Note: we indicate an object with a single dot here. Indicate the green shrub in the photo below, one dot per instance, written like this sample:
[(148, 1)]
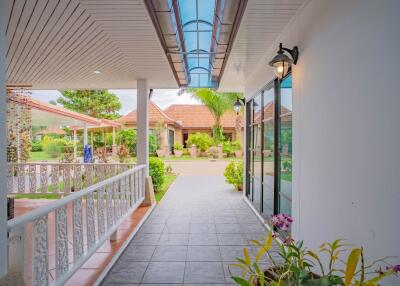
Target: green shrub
[(62, 143), (234, 174), (156, 170), (46, 140), (36, 147), (178, 146), (227, 148), (128, 138), (203, 141), (236, 145), (153, 144), (53, 149)]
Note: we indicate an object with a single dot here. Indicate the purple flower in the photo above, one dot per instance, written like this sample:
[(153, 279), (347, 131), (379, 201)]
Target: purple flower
[(288, 240), (395, 268), (281, 221)]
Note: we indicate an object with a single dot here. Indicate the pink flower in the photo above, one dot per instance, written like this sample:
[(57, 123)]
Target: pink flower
[(281, 221), (288, 240)]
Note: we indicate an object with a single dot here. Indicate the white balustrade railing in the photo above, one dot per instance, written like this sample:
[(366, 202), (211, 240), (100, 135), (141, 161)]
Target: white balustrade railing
[(49, 244), (58, 178)]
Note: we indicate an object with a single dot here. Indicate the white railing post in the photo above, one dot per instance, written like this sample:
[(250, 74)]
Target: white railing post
[(16, 251), (142, 145), (3, 144)]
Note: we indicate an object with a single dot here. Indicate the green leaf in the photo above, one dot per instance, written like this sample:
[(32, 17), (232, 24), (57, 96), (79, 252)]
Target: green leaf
[(241, 281), (247, 256), (351, 267)]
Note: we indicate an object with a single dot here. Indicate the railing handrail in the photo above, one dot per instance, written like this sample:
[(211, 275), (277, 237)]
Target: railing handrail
[(32, 215), (61, 163)]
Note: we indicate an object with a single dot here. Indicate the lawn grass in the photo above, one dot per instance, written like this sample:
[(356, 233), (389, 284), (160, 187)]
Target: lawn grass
[(169, 179), (42, 156)]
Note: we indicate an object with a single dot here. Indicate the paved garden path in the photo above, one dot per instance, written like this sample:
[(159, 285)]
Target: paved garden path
[(197, 230)]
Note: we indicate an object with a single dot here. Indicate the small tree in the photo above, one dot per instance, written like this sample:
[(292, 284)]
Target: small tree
[(96, 103), (203, 141), (234, 174)]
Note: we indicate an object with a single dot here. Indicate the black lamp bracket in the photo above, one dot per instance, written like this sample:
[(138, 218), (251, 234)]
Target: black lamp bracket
[(242, 100), (293, 52)]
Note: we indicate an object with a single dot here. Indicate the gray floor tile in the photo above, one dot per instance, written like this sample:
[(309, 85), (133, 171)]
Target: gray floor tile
[(253, 228), (200, 272), (174, 239), (146, 239), (176, 228), (131, 272), (164, 272), (230, 253), (226, 219), (136, 252), (152, 228), (232, 239), (228, 228), (203, 253), (202, 219), (203, 239), (202, 228), (230, 271), (169, 253), (179, 219)]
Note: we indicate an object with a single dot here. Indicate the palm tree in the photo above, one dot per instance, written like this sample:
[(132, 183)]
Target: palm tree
[(217, 103)]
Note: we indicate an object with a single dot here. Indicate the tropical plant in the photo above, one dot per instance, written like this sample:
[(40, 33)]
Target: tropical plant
[(178, 146), (203, 141), (102, 154), (153, 143), (291, 263), (156, 171), (122, 153), (234, 174), (68, 155), (96, 103), (217, 103)]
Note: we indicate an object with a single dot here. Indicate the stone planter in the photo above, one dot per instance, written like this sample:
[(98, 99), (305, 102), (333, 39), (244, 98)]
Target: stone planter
[(238, 153), (160, 153), (193, 151), (178, 153)]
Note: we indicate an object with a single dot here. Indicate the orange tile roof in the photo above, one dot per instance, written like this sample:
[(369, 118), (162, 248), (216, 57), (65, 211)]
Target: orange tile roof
[(198, 116), (156, 115)]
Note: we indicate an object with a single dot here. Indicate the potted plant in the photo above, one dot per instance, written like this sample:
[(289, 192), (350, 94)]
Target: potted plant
[(234, 174), (213, 152), (203, 141), (237, 148), (122, 153), (291, 263), (178, 150)]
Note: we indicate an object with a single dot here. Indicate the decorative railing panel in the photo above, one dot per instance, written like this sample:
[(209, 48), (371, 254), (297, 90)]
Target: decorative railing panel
[(59, 178), (39, 244)]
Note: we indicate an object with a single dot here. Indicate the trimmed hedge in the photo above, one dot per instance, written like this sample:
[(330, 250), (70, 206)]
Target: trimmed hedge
[(156, 170)]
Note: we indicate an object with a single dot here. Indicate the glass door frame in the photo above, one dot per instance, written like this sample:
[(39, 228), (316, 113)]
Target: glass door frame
[(275, 84)]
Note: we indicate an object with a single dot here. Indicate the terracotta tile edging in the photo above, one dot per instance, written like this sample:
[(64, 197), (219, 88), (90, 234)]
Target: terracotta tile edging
[(121, 249)]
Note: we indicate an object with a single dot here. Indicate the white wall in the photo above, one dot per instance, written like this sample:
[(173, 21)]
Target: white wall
[(346, 114)]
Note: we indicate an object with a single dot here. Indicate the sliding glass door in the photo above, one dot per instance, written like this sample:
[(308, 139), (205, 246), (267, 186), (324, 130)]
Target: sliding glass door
[(269, 152)]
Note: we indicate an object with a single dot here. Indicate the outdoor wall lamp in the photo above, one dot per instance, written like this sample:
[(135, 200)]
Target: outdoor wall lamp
[(238, 105), (281, 62)]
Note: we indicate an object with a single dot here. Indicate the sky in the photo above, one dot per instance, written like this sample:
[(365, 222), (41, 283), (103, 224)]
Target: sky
[(162, 97)]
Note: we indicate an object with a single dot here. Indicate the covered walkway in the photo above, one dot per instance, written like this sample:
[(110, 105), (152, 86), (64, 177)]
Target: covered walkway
[(199, 228)]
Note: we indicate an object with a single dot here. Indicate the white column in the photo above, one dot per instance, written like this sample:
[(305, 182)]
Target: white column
[(114, 147), (85, 135), (3, 144), (142, 146), (75, 145)]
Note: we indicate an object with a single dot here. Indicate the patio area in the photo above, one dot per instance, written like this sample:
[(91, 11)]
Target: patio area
[(198, 229)]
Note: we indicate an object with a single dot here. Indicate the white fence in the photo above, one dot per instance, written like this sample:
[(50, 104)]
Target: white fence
[(58, 178), (48, 245)]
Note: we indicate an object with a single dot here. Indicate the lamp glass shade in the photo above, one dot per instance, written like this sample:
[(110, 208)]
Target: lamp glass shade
[(237, 106), (281, 68)]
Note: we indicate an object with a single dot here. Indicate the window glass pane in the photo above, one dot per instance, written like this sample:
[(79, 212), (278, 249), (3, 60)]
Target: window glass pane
[(257, 151), (268, 152), (285, 147)]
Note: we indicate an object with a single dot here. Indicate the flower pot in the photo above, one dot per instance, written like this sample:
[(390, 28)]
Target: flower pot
[(238, 153), (239, 189), (178, 153), (270, 274)]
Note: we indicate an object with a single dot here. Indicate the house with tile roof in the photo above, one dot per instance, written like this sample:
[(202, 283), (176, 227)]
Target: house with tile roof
[(179, 120)]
